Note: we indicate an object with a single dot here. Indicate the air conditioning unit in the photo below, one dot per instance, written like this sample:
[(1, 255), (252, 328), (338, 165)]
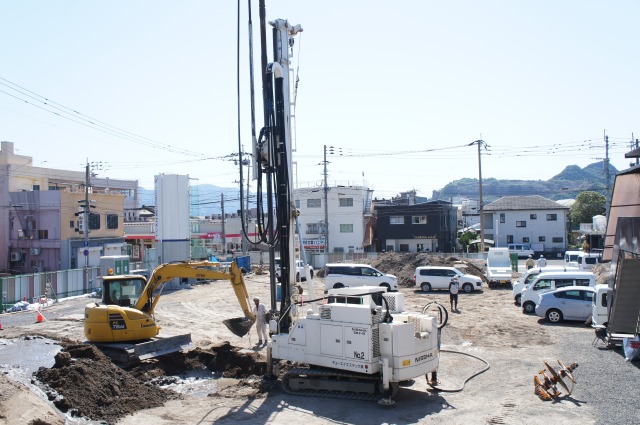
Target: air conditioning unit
[(16, 256), (35, 251)]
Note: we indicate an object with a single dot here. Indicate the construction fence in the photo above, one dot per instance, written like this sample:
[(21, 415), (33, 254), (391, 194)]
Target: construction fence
[(50, 285)]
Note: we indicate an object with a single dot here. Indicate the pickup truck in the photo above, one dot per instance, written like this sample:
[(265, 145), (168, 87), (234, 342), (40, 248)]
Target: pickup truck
[(300, 275)]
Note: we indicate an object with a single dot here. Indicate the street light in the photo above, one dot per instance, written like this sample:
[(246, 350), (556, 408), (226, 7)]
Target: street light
[(480, 143)]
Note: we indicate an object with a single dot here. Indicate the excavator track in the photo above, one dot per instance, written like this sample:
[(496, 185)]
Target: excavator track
[(323, 382)]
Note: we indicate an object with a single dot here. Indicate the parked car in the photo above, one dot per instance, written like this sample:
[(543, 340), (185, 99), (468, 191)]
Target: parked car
[(550, 281), (586, 260), (530, 275), (568, 303), (433, 277), (300, 274), (523, 250), (341, 275), (571, 258)]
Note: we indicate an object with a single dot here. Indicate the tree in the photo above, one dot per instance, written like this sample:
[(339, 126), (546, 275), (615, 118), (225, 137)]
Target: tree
[(466, 238), (587, 205)]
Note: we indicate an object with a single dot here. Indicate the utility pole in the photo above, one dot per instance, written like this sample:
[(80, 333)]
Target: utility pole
[(224, 238), (480, 143), (326, 205), (607, 174), (86, 213)]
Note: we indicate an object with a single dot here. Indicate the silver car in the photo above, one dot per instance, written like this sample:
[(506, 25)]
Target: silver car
[(566, 303)]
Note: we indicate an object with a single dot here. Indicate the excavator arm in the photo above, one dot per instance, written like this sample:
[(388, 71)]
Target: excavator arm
[(196, 270)]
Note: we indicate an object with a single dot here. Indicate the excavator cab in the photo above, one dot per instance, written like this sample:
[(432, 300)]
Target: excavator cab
[(123, 291)]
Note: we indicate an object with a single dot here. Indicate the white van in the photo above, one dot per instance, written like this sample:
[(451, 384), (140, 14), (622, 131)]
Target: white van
[(341, 275), (523, 250), (551, 281), (571, 258), (532, 274), (586, 260), (435, 277)]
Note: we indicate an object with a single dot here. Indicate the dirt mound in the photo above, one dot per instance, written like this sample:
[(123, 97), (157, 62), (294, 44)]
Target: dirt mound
[(602, 272), (85, 383), (403, 265)]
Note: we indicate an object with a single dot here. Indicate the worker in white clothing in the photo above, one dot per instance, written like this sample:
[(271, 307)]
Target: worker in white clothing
[(260, 312), (542, 262)]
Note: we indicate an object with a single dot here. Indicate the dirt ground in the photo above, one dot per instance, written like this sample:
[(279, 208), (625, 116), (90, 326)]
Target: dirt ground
[(177, 389)]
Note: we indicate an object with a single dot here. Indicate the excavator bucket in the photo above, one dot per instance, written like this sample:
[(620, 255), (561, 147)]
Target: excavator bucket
[(239, 326)]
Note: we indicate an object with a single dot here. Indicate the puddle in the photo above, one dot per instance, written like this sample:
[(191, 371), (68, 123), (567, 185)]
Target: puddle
[(21, 357)]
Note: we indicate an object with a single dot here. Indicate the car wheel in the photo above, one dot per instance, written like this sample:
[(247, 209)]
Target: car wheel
[(468, 288), (518, 299), (338, 286), (386, 285), (554, 315), (426, 287), (529, 307)]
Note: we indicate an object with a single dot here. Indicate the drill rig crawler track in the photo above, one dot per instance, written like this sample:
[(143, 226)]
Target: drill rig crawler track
[(333, 383)]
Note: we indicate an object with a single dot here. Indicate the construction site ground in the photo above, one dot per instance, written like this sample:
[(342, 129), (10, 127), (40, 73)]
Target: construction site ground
[(220, 379)]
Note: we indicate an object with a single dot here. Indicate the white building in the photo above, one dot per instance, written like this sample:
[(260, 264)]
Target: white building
[(334, 220), (533, 220)]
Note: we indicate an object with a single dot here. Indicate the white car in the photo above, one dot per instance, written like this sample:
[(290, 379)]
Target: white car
[(434, 277), (300, 274), (568, 303), (341, 275), (530, 275), (550, 281)]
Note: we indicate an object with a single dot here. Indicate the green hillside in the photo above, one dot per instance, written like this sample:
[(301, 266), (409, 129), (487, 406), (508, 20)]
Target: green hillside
[(567, 184)]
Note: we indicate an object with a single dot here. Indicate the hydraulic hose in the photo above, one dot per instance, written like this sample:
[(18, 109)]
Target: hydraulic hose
[(455, 390)]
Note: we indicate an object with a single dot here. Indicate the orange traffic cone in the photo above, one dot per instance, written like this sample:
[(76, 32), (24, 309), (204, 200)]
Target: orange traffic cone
[(40, 317)]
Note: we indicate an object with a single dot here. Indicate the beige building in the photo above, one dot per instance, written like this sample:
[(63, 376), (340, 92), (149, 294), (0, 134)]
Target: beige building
[(41, 220)]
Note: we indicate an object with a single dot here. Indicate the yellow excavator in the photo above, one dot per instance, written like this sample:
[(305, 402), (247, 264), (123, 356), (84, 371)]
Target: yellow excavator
[(123, 326)]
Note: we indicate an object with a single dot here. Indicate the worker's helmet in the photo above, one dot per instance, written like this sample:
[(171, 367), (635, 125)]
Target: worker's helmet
[(541, 256), (256, 299), (531, 256), (110, 272)]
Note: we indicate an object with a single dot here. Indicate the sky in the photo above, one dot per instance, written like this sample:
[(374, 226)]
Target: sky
[(399, 89)]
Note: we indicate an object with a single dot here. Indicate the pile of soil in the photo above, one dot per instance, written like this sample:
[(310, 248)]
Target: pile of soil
[(85, 383), (403, 265)]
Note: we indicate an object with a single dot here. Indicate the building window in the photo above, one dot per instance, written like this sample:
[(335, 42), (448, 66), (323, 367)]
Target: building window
[(314, 203), (346, 228), (404, 247), (43, 234), (36, 187), (541, 238), (521, 224), (419, 219), (525, 240), (314, 228), (94, 221), (112, 221), (338, 249), (346, 202), (396, 219), (533, 216), (552, 217), (509, 238), (557, 239), (502, 218), (72, 224)]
